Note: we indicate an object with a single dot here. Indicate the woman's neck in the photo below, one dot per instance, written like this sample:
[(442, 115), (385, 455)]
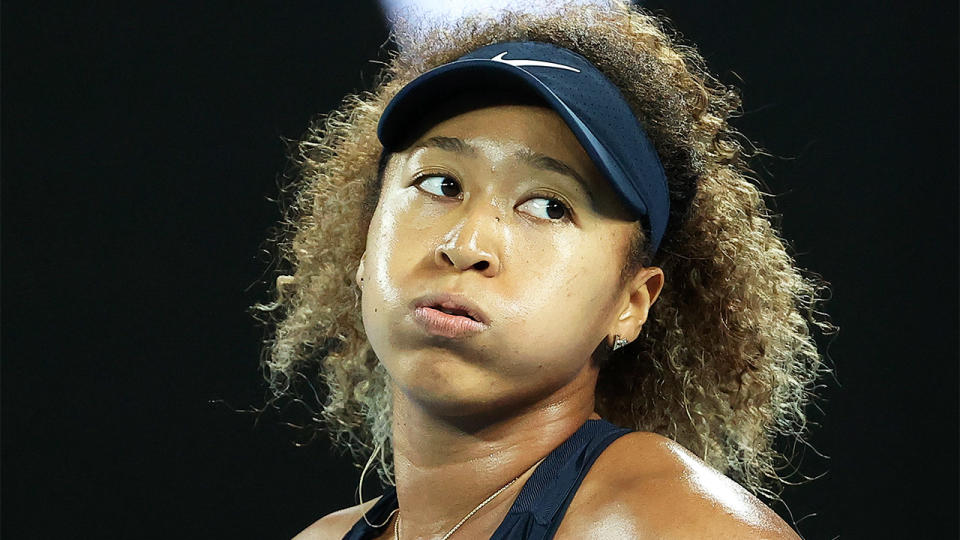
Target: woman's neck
[(446, 467)]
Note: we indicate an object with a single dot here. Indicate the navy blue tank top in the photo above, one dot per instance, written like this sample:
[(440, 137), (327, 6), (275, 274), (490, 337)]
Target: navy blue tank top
[(538, 509)]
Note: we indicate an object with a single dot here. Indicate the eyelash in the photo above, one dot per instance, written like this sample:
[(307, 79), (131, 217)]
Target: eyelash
[(567, 210)]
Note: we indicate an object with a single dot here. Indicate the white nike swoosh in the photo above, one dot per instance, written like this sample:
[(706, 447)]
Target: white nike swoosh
[(537, 63)]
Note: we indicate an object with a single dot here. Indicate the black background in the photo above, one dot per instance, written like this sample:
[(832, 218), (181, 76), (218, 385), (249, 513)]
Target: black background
[(141, 142)]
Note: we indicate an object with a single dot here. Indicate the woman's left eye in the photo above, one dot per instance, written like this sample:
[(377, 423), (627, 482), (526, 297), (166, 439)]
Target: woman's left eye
[(547, 208), (440, 185)]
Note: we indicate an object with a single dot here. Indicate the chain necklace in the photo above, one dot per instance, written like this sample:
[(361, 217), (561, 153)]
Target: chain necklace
[(396, 524)]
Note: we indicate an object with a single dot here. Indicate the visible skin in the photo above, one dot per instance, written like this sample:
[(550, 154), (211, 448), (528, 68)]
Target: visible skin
[(473, 413)]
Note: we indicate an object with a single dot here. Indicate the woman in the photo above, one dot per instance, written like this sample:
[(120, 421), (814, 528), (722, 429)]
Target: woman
[(541, 293)]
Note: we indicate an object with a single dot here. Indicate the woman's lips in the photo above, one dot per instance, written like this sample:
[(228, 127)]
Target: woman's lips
[(443, 324)]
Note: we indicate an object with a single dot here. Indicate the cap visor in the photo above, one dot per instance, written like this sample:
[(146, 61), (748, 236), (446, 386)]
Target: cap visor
[(409, 107)]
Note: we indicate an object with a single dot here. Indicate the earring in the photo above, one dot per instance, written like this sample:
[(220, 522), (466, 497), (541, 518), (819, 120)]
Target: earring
[(619, 342)]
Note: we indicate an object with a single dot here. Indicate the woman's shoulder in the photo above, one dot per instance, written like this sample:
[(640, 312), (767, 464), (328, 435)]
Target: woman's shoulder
[(645, 484), (335, 524)]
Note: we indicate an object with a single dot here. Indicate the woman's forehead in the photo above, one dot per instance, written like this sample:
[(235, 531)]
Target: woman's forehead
[(464, 102), (529, 135), (532, 127), (524, 133)]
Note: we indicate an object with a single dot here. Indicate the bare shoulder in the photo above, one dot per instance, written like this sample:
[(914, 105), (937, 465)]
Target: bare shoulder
[(645, 485), (335, 525)]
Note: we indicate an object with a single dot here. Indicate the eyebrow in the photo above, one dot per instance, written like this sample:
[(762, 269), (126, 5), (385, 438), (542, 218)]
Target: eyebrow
[(533, 159), (547, 163), (451, 144)]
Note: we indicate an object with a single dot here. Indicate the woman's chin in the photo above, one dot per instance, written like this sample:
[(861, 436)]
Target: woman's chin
[(450, 398), (446, 384), (470, 403)]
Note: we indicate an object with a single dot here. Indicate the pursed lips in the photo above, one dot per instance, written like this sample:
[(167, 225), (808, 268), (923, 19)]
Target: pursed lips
[(453, 304)]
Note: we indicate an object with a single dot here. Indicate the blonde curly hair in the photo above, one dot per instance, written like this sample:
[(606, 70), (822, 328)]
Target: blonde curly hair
[(726, 361)]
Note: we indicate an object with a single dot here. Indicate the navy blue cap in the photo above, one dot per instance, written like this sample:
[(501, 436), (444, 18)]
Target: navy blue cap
[(588, 102)]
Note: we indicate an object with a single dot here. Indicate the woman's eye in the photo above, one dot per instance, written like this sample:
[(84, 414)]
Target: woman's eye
[(547, 208), (439, 185)]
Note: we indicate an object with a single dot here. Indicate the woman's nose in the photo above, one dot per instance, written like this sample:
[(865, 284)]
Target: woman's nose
[(473, 244)]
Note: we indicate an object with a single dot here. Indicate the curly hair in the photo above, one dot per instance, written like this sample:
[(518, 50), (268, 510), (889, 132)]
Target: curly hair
[(726, 362)]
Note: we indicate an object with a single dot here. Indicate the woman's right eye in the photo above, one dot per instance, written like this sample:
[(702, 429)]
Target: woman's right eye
[(439, 185)]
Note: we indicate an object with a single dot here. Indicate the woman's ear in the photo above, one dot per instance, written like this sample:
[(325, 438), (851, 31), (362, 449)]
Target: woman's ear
[(359, 277), (639, 294)]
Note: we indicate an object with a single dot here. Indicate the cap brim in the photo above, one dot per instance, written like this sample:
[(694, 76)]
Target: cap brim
[(406, 111)]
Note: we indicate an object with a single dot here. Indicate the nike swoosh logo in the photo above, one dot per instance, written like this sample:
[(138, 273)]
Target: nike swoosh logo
[(537, 63)]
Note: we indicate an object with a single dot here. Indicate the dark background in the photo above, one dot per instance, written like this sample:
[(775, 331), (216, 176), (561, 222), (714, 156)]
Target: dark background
[(141, 142)]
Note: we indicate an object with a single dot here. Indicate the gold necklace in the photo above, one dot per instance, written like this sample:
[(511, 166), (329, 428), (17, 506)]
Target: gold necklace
[(396, 524)]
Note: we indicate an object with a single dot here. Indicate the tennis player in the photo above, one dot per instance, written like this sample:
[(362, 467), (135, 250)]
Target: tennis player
[(540, 293)]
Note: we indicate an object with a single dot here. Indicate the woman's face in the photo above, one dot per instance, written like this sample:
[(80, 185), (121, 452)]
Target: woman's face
[(501, 208)]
